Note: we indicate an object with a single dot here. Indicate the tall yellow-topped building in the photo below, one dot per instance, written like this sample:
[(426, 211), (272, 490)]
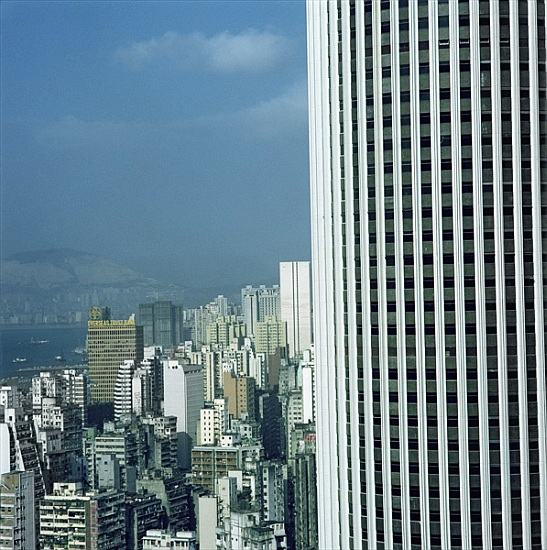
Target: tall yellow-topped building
[(109, 343)]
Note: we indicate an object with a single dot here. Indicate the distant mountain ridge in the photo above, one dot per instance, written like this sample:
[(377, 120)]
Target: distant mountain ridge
[(58, 286), (53, 268)]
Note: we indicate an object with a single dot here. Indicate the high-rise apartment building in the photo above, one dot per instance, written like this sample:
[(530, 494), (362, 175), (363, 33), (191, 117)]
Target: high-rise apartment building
[(271, 336), (240, 394), (224, 329), (428, 148), (259, 303), (70, 518), (17, 511), (109, 344), (295, 305), (162, 323), (183, 398)]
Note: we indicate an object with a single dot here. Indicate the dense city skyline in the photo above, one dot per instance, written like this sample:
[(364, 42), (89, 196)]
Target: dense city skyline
[(195, 377)]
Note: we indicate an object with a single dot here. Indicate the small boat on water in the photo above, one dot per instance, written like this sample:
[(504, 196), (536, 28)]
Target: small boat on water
[(79, 351), (19, 360), (38, 342), (60, 358)]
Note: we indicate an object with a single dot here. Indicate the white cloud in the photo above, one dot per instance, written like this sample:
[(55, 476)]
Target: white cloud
[(247, 51), (283, 114)]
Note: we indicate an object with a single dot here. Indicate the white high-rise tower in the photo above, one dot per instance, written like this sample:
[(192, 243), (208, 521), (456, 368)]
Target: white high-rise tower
[(428, 155), (295, 298)]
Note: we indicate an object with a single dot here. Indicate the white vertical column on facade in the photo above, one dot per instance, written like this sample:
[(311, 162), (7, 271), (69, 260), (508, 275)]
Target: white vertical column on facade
[(537, 251), (399, 275), (418, 272), (365, 276), (520, 305), (480, 297), (355, 469), (499, 259), (459, 286), (320, 176), (381, 270), (438, 274), (338, 275)]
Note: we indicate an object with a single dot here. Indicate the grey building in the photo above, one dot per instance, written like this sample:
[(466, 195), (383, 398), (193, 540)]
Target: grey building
[(162, 324), (17, 511), (428, 148)]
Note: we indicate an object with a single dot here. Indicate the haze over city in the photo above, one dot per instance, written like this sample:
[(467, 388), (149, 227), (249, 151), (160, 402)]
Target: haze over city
[(170, 137)]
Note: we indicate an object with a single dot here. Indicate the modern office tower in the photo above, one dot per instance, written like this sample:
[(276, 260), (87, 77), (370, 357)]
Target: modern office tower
[(240, 394), (295, 305), (271, 336), (428, 169), (224, 329), (162, 323), (183, 398), (259, 303), (71, 518), (17, 511), (272, 426), (109, 343)]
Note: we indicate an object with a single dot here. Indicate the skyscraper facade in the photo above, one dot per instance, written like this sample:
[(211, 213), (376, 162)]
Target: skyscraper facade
[(109, 344), (162, 323), (428, 154), (295, 304)]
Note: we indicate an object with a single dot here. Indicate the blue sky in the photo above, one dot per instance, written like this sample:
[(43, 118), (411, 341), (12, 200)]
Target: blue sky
[(171, 136)]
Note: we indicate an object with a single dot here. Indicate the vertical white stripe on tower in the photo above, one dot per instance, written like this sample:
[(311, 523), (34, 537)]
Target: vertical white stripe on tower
[(501, 320), (438, 274), (520, 305), (537, 244), (480, 299), (365, 277), (320, 177), (338, 314), (418, 272), (459, 287), (399, 275), (381, 271), (353, 405)]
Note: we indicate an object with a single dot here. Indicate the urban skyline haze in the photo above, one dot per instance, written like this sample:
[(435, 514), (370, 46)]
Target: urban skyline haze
[(120, 122)]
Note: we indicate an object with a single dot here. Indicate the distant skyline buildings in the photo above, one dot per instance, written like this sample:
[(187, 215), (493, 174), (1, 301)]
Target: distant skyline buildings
[(295, 305), (259, 303), (162, 323)]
